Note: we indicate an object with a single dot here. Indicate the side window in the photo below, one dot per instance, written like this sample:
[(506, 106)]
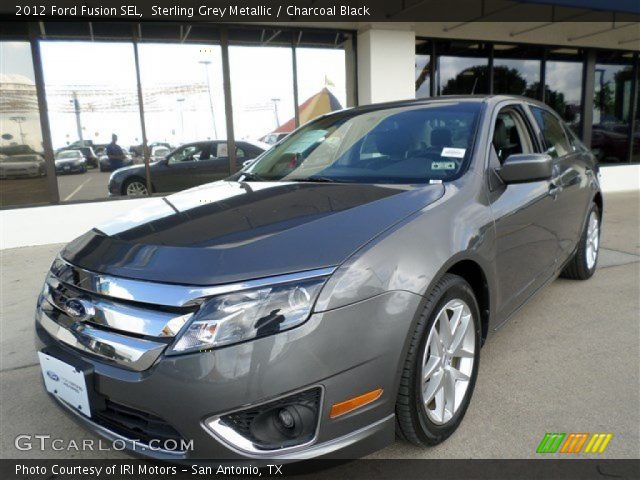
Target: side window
[(240, 153), (556, 141), (222, 150), (576, 144), (510, 135), (190, 153)]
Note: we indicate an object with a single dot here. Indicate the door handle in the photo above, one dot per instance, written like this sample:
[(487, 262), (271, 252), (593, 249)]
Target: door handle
[(554, 190)]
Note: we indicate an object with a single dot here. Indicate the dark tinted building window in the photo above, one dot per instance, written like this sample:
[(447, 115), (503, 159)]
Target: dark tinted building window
[(423, 68), (612, 112), (463, 69), (23, 174), (563, 89), (89, 101), (516, 70)]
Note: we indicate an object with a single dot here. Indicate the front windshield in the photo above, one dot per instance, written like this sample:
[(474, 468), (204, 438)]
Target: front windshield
[(160, 152), (69, 154), (410, 145)]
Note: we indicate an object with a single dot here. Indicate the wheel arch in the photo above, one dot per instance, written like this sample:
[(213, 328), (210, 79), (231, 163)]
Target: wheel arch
[(599, 201), (475, 276)]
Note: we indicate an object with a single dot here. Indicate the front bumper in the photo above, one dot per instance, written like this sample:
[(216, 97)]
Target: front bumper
[(346, 351), (70, 168)]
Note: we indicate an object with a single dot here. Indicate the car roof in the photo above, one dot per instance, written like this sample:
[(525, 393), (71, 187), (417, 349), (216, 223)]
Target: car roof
[(490, 99)]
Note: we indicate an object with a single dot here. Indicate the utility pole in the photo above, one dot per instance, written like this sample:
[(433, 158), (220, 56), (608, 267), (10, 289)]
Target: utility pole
[(206, 64), (275, 110), (76, 107)]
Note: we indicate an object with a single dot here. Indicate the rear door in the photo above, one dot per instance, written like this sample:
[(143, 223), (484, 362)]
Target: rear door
[(526, 240), (571, 178)]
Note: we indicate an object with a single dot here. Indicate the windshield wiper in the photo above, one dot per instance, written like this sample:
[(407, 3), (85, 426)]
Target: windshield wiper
[(316, 179), (248, 176)]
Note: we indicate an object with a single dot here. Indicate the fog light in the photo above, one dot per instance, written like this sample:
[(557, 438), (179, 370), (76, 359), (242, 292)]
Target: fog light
[(285, 423), (286, 418)]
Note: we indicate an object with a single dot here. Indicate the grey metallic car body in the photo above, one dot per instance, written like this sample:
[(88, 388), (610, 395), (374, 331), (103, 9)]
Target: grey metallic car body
[(386, 245)]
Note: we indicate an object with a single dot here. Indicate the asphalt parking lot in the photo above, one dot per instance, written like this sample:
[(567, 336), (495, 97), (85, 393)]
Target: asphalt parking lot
[(567, 362), (90, 185)]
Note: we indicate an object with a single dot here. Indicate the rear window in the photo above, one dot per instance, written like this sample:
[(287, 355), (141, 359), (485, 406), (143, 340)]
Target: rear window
[(413, 144)]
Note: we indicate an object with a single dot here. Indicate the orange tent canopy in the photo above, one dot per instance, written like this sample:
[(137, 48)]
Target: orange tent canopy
[(322, 102)]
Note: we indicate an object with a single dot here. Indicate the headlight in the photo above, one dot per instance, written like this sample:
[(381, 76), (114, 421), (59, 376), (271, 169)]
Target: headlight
[(241, 316)]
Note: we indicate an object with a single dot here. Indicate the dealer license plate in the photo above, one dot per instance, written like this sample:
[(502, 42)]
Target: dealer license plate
[(65, 382)]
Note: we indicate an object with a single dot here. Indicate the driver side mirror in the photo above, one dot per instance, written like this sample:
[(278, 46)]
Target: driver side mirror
[(526, 167)]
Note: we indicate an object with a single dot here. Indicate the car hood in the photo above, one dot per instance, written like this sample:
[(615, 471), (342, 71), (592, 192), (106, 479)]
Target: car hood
[(232, 231), (19, 165)]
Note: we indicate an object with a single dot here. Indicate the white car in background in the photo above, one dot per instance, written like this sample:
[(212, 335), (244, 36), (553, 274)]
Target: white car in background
[(22, 166)]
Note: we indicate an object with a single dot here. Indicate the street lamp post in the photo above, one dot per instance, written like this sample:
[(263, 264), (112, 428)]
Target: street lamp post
[(76, 108), (180, 104), (206, 64), (275, 110)]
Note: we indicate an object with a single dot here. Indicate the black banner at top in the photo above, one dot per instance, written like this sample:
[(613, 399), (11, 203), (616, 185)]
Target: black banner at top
[(239, 11)]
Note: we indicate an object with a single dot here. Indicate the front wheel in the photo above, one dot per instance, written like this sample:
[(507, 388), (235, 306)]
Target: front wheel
[(442, 364), (135, 187), (583, 264)]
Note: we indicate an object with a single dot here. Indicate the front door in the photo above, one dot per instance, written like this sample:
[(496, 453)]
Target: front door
[(526, 241), (181, 168)]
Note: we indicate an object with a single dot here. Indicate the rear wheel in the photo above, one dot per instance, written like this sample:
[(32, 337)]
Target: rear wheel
[(135, 187), (583, 264), (442, 364)]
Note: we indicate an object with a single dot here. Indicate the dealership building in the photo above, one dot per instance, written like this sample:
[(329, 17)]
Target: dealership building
[(157, 86)]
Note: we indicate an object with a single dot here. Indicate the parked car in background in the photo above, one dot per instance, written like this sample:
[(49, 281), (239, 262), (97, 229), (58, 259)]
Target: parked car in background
[(22, 166), (185, 167), (88, 152), (610, 143), (159, 152), (70, 161), (109, 164), (136, 150), (328, 296), (90, 156)]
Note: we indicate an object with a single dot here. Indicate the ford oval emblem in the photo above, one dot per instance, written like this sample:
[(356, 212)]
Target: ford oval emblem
[(53, 376), (79, 309)]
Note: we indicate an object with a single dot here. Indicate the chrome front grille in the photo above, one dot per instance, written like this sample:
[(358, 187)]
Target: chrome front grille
[(127, 322), (128, 333)]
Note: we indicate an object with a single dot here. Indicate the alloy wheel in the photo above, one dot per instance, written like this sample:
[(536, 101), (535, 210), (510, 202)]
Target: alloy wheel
[(448, 361), (136, 189), (593, 239)]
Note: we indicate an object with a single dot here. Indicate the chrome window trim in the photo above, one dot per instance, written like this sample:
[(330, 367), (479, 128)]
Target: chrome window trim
[(130, 352), (165, 294)]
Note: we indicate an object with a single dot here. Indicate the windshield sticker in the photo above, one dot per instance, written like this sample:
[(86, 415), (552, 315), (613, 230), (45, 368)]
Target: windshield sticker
[(443, 165), (453, 152)]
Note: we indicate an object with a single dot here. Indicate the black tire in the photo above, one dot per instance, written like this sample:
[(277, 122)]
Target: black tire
[(412, 422), (578, 267)]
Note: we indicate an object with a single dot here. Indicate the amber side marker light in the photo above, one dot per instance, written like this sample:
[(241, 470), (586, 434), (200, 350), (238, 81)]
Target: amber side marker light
[(354, 403)]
